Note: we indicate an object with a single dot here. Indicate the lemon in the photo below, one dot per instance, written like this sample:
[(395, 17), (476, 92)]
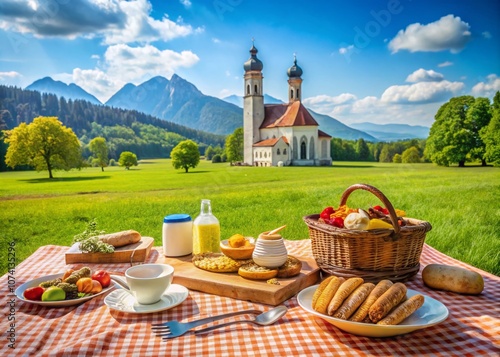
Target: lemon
[(53, 293)]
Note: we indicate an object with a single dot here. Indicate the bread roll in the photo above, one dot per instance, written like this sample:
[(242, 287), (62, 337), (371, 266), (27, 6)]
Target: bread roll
[(120, 239)]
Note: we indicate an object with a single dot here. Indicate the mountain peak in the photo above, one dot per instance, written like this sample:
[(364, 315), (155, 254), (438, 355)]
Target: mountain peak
[(61, 89)]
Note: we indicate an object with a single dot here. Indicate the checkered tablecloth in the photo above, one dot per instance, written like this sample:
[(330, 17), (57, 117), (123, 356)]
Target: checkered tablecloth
[(90, 329)]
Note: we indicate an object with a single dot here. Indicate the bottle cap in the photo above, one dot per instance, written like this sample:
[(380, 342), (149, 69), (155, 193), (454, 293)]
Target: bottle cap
[(177, 218)]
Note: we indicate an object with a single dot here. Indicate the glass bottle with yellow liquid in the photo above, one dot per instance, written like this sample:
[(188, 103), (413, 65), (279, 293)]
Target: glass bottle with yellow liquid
[(206, 231)]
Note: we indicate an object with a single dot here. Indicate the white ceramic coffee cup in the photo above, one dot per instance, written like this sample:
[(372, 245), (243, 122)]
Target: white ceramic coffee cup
[(148, 282)]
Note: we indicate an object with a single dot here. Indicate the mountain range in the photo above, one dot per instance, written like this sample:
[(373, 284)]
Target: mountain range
[(179, 101)]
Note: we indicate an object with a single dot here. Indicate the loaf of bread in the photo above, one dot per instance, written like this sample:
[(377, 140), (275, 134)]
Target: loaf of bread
[(120, 239)]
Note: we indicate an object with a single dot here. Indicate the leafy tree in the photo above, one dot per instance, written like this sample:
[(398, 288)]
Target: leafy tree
[(362, 150), (410, 155), (387, 153), (100, 150), (44, 144), (234, 145), (216, 159), (185, 155), (209, 153), (127, 159), (454, 134), (478, 117), (397, 159), (491, 134)]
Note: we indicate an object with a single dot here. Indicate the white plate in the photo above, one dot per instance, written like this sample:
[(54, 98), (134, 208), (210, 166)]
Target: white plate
[(35, 282), (430, 313), (122, 300)]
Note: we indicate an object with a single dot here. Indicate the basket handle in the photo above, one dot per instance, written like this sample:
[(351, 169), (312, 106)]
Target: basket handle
[(375, 191)]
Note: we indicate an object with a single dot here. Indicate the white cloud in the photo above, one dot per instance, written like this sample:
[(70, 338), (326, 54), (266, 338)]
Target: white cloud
[(488, 88), (113, 20), (422, 75), (421, 92), (215, 40), (445, 64), (324, 103), (346, 50), (372, 109), (124, 64), (187, 3), (448, 33), (12, 78), (486, 34)]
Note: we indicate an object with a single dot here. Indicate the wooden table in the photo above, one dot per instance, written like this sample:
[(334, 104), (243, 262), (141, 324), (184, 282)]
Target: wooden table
[(89, 329)]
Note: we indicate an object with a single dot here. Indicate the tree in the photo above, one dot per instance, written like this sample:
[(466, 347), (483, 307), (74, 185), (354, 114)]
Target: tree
[(209, 152), (478, 117), (454, 133), (44, 144), (234, 146), (397, 159), (100, 150), (127, 159), (491, 134), (410, 155), (185, 155), (362, 150)]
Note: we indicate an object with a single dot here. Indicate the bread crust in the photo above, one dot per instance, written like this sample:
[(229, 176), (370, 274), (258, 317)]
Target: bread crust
[(256, 272), (120, 239), (292, 267)]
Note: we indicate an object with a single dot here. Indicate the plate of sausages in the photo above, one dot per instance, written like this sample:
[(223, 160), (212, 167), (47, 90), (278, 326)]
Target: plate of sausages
[(413, 312)]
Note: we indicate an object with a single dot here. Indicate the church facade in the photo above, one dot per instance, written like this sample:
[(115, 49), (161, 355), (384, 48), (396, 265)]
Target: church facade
[(280, 134)]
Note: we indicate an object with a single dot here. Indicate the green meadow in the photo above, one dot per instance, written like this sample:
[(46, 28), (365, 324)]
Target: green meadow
[(462, 204)]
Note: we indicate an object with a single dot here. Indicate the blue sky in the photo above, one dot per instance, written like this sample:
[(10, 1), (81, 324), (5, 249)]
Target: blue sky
[(390, 61)]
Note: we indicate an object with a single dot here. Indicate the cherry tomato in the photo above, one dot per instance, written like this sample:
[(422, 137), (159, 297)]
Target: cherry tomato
[(34, 293), (103, 277)]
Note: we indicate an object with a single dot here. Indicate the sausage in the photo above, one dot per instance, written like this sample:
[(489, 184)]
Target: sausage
[(342, 293), (377, 292), (353, 301), (403, 310), (384, 304)]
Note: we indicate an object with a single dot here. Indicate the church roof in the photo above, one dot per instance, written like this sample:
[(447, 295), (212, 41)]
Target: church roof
[(292, 114), (270, 142), (323, 134)]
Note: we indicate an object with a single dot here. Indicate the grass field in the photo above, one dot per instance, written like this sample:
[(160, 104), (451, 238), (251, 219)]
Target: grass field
[(462, 204)]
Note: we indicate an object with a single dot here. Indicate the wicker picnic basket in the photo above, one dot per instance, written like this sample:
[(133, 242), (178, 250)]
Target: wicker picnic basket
[(374, 255)]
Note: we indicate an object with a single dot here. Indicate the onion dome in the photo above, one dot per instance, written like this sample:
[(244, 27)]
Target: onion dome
[(295, 71), (253, 63)]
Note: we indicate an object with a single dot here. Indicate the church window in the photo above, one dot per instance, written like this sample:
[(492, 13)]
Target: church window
[(312, 151), (248, 89), (255, 89), (298, 93), (284, 151), (278, 152), (303, 150), (291, 93)]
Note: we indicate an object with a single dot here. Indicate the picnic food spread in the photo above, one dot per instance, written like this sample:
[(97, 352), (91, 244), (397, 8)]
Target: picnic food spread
[(353, 299), (73, 284)]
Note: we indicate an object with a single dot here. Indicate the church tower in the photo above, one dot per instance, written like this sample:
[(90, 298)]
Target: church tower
[(294, 82), (253, 104)]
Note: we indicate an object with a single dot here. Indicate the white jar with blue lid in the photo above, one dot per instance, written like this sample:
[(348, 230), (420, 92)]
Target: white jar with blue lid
[(177, 235)]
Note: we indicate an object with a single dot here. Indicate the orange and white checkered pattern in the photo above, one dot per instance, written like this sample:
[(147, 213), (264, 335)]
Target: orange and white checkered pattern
[(90, 329)]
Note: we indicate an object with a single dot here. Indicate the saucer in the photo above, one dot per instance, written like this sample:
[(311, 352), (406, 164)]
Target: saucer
[(121, 300)]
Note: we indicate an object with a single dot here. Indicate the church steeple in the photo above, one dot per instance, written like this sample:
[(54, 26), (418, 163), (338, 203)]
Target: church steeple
[(253, 103), (294, 81)]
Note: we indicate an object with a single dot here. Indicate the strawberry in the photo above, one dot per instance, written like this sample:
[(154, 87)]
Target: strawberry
[(381, 209), (335, 221), (325, 214)]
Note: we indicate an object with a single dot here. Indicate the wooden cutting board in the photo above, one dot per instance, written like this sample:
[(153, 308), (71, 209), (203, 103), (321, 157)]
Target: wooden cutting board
[(234, 286), (132, 253)]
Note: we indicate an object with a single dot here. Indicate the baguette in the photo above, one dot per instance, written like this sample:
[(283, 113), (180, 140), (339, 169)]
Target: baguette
[(353, 301), (327, 294), (377, 292), (342, 293), (385, 303), (120, 239), (403, 310)]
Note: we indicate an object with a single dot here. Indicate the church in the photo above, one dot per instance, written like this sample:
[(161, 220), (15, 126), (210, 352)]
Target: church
[(280, 134)]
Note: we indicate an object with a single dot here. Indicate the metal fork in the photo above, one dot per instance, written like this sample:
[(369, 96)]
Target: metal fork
[(171, 329)]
